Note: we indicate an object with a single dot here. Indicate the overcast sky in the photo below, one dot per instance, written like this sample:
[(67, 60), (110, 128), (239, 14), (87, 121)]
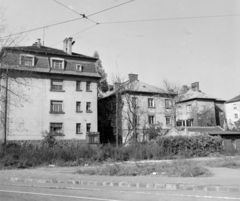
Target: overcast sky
[(182, 48)]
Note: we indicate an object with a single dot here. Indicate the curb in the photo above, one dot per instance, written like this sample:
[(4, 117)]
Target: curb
[(167, 186)]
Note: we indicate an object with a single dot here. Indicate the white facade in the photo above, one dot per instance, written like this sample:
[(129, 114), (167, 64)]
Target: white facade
[(232, 112), (30, 115)]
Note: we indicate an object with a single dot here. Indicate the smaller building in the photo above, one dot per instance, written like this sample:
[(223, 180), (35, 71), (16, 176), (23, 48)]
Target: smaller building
[(232, 108), (196, 108), (131, 108)]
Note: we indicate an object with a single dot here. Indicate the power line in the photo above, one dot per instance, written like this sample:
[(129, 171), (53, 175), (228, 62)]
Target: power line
[(166, 19), (83, 15), (151, 20), (76, 33), (46, 26), (109, 8)]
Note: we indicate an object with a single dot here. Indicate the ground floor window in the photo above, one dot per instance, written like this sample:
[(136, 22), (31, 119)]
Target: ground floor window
[(56, 127), (151, 119)]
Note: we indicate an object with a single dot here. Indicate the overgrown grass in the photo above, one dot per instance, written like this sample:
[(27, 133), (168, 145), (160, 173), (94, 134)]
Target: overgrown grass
[(227, 162), (177, 168), (71, 153)]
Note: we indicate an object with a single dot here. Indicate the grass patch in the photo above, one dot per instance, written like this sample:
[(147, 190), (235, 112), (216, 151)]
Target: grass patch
[(177, 168), (227, 162)]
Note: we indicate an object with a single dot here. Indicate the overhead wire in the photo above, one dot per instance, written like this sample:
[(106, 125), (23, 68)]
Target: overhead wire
[(76, 34), (67, 21), (151, 20), (83, 15), (166, 19)]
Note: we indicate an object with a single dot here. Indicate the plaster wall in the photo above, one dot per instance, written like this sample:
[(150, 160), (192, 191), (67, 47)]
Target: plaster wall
[(143, 111), (231, 109), (29, 115)]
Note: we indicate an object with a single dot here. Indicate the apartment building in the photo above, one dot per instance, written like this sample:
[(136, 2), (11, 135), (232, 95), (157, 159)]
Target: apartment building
[(48, 90), (196, 108), (139, 106)]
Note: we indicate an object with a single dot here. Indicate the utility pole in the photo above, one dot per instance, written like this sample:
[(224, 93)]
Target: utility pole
[(6, 111)]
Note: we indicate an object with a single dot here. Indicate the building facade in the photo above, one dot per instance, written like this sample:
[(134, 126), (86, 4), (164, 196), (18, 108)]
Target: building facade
[(48, 90), (140, 107), (195, 108), (232, 108)]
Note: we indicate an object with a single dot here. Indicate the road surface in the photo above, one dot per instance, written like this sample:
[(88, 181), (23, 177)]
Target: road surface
[(56, 192)]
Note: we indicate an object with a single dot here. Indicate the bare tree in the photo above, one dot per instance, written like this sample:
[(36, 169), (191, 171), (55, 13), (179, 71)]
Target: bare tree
[(173, 94), (13, 80)]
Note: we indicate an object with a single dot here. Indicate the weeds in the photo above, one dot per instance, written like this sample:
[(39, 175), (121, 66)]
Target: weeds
[(178, 168)]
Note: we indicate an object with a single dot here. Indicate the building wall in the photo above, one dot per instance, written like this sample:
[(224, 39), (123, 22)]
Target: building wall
[(198, 106), (230, 112), (29, 115), (158, 111)]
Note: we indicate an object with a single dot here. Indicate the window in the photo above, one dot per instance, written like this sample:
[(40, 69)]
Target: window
[(57, 63), (168, 104), (189, 122), (78, 107), (189, 108), (151, 119), (235, 106), (88, 127), (179, 123), (168, 120), (56, 127), (27, 60), (150, 102), (57, 85), (79, 68), (88, 85), (78, 128), (134, 102), (56, 106), (179, 108), (88, 107), (236, 116), (78, 86)]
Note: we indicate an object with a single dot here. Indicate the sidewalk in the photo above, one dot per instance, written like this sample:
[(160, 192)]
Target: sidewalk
[(223, 179)]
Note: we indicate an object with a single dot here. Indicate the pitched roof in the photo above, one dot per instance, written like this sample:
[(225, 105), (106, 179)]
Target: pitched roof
[(193, 94), (205, 129), (48, 50), (137, 86), (90, 71), (235, 99)]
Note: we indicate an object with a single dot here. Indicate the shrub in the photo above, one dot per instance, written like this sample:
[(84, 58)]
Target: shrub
[(68, 153)]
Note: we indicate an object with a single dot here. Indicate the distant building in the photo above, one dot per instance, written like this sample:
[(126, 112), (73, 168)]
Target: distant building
[(195, 108), (140, 106), (49, 90), (232, 108)]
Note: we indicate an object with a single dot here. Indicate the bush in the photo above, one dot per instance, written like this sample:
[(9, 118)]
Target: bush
[(69, 153)]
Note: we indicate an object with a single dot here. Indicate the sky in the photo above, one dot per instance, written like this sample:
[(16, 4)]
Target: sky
[(184, 45)]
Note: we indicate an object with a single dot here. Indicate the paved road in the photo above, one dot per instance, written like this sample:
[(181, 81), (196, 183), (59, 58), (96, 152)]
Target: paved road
[(39, 192)]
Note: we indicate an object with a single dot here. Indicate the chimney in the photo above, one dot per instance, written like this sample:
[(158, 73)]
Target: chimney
[(39, 43), (184, 89), (195, 86), (132, 77), (67, 45)]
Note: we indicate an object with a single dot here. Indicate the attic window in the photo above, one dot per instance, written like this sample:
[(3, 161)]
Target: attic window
[(79, 67), (27, 60), (57, 63)]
